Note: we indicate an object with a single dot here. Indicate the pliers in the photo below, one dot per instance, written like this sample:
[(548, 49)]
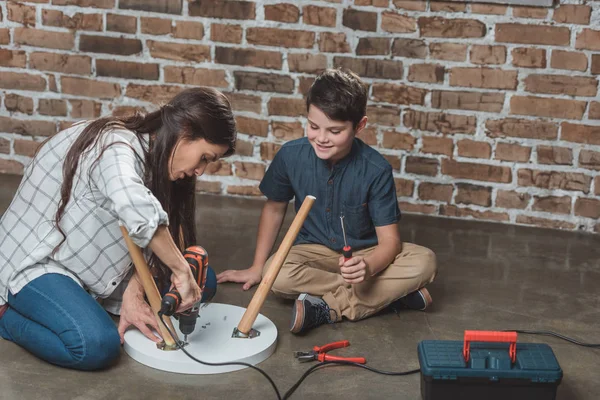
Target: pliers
[(319, 353)]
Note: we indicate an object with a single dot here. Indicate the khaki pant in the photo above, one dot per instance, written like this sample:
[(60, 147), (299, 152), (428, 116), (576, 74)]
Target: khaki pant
[(313, 269)]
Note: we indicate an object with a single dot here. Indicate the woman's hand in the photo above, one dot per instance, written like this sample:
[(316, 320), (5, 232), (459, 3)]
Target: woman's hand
[(249, 277), (187, 287), (135, 311), (354, 270)]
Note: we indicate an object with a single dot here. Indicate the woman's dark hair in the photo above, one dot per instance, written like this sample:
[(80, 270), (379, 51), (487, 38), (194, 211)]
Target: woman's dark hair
[(340, 94), (197, 113)]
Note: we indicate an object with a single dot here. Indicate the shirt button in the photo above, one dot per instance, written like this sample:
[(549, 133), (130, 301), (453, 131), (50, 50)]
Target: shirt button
[(114, 283), (332, 240), (330, 182), (328, 209)]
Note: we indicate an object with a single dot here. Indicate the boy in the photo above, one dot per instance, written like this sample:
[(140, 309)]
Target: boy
[(348, 178)]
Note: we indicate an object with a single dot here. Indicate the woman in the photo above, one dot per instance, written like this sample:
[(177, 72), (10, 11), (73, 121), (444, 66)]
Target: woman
[(60, 240)]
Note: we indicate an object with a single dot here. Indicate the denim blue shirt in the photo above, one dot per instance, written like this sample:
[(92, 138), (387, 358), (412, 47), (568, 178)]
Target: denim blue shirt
[(360, 186)]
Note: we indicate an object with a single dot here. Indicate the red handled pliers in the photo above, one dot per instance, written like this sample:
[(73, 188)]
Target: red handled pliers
[(319, 353)]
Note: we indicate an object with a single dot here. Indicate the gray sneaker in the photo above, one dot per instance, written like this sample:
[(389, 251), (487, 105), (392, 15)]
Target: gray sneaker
[(309, 312)]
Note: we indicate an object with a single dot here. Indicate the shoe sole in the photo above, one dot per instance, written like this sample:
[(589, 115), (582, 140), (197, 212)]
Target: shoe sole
[(427, 297), (298, 316)]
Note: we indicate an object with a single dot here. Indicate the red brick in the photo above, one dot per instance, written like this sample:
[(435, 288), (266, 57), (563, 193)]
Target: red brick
[(589, 159), (404, 187), (218, 168), (589, 208), (554, 155), (21, 13), (447, 6), (252, 126), (437, 145), (383, 115), (52, 83), (53, 107), (11, 167), (440, 122), (121, 23), (159, 6), (522, 128), (321, 16), (398, 141), (280, 37), (90, 88), (487, 78), (486, 54), (596, 64), (530, 12), (4, 146), (552, 204), (307, 63), (422, 165), (589, 134), (570, 60), (244, 190), (453, 211), (156, 26), (594, 112), (588, 39), (249, 170), (263, 82), (477, 172), (245, 102), (196, 76), (15, 102), (27, 127), (126, 111), (562, 84), (330, 42), (451, 28), (488, 9), (227, 9), (287, 130), (474, 149), (188, 30), (304, 85), (448, 51), (554, 180), (547, 107), (597, 185), (412, 5), (397, 23), (371, 68), (244, 148), (79, 21), (429, 73), (359, 20), (109, 45), (460, 100), (248, 57), (368, 135), (268, 150), (509, 199), (226, 33), (286, 106), (409, 48), (85, 3), (208, 187), (533, 34), (70, 64), (512, 152), (374, 3), (544, 223), (373, 46), (21, 81), (573, 14), (85, 109), (127, 70), (41, 38), (4, 36), (412, 208), (282, 12), (529, 57), (393, 161), (26, 148), (179, 51), (398, 94), (435, 192), (473, 194), (13, 58)]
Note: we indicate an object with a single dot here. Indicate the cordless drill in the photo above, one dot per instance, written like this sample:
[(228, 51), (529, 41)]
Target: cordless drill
[(197, 258)]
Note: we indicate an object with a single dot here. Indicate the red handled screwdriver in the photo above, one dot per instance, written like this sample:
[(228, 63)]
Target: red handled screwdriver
[(347, 250)]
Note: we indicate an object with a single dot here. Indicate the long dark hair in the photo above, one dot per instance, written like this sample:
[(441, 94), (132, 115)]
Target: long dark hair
[(197, 113)]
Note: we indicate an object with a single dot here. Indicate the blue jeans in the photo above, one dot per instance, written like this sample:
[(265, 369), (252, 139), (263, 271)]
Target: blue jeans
[(59, 322)]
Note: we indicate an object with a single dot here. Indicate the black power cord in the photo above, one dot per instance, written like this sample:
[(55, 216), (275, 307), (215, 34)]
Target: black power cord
[(557, 335)]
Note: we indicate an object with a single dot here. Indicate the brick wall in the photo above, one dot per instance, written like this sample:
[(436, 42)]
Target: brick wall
[(484, 111)]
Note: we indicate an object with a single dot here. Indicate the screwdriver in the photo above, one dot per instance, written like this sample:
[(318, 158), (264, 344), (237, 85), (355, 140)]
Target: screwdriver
[(347, 250)]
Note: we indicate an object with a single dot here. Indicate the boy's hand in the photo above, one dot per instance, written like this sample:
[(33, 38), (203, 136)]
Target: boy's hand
[(354, 270), (249, 277)]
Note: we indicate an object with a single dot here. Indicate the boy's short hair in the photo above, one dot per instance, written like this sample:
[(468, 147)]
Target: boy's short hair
[(340, 94)]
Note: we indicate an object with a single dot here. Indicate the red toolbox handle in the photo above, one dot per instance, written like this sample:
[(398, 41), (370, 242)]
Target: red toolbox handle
[(491, 336)]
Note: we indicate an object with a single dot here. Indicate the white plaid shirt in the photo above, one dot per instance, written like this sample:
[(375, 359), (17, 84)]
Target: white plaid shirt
[(94, 253)]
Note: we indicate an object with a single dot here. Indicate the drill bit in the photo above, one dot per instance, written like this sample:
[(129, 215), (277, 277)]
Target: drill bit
[(185, 339), (343, 229)]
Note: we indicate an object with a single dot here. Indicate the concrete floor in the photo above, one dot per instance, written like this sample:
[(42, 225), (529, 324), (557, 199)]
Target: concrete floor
[(490, 277)]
